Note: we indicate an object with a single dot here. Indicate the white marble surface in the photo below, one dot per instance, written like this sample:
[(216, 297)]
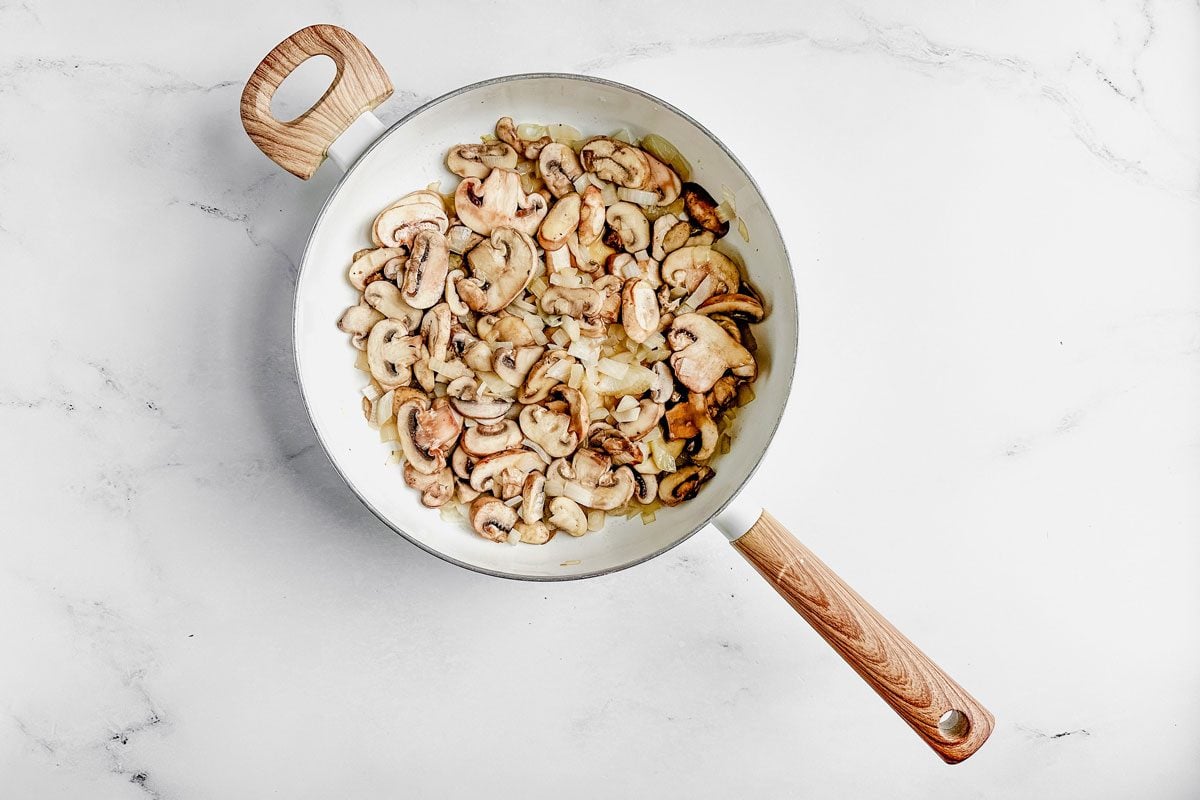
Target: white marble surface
[(995, 433)]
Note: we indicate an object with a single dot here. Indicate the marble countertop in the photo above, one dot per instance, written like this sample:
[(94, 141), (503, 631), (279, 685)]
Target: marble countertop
[(994, 209)]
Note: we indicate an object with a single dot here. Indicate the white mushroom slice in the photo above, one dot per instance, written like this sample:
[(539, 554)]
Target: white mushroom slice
[(649, 413), (484, 440), (670, 234), (567, 516), (490, 468), (501, 268), (391, 353), (589, 466), (358, 321), (425, 272), (498, 201), (616, 161), (664, 383), (410, 416), (549, 430), (630, 224), (426, 377), (397, 224), (688, 266), (506, 131), (465, 493), (683, 484), (481, 408), (558, 261), (457, 307), (609, 287), (663, 182), (619, 447), (614, 489), (582, 303), (460, 239), (561, 221), (534, 532), (589, 258), (591, 215), (369, 266), (513, 364), (477, 160), (741, 307), (436, 489), (533, 498), (491, 519), (559, 167), (508, 328), (639, 310), (645, 487), (702, 209), (703, 351), (385, 297), (435, 328), (551, 370)]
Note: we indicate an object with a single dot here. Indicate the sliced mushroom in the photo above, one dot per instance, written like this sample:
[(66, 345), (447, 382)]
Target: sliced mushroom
[(566, 515), (534, 532), (690, 419), (369, 266), (639, 310), (645, 487), (702, 209), (589, 258), (631, 225), (688, 266), (561, 221), (540, 381), (591, 215), (590, 466), (664, 383), (425, 271), (703, 351), (559, 167), (498, 201), (408, 418), (613, 489), (500, 270), (701, 239), (397, 224), (615, 161), (465, 493), (477, 160), (462, 463), (533, 497), (627, 266), (670, 234), (684, 484), (436, 489), (550, 430), (457, 307), (438, 428), (484, 440), (662, 181), (515, 462), (358, 321), (475, 354), (386, 298), (426, 377), (506, 131), (558, 261), (609, 287), (491, 518), (435, 327), (740, 307), (619, 447), (511, 329), (467, 400), (649, 413), (391, 353), (460, 239), (513, 364), (723, 395), (581, 303)]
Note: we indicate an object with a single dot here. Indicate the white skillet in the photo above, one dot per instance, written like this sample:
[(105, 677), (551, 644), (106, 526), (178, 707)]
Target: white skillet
[(380, 165)]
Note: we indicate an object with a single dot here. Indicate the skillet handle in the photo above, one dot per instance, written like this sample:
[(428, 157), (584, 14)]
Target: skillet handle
[(950, 721), (360, 84)]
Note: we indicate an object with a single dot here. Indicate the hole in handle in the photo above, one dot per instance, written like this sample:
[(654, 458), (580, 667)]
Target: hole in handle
[(301, 89), (954, 725)]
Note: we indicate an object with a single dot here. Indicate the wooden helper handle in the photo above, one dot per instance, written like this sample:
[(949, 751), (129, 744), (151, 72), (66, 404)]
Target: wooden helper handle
[(360, 84), (916, 688)]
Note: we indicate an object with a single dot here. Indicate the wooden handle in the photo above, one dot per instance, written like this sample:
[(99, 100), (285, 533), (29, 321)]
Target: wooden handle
[(950, 721), (360, 84)]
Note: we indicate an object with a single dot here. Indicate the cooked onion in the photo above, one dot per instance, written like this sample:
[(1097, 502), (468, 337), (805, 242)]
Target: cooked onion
[(638, 196)]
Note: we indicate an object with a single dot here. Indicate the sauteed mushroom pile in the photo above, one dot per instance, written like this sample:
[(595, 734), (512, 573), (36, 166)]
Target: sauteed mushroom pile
[(561, 338)]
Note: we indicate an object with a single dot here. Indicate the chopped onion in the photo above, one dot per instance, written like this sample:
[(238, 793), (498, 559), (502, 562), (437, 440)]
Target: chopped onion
[(598, 414), (538, 286), (579, 493), (647, 517), (667, 153), (582, 182), (522, 305), (586, 350), (655, 341), (513, 501), (743, 231), (638, 196), (458, 237), (450, 513), (360, 362), (537, 448), (571, 326), (622, 135), (388, 432), (591, 373), (554, 488), (627, 415), (560, 370), (662, 456), (724, 212), (514, 535), (383, 408), (595, 520), (530, 131), (610, 367), (560, 338), (704, 290), (394, 457), (539, 337), (449, 369), (576, 378), (608, 194), (631, 270), (730, 199), (496, 384), (564, 133), (627, 402)]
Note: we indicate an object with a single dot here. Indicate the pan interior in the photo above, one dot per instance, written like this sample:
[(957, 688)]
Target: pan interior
[(410, 156)]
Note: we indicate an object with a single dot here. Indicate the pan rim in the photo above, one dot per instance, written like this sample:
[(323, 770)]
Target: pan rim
[(304, 259)]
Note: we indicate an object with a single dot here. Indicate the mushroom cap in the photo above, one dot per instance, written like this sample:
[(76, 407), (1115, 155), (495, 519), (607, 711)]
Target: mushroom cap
[(518, 459), (358, 320), (688, 266), (590, 466), (477, 160), (566, 515), (580, 302), (513, 364), (457, 307), (550, 430), (614, 489), (630, 224), (612, 160), (535, 532), (649, 413), (369, 266), (662, 181), (639, 310), (391, 353), (703, 351), (484, 440), (506, 131), (407, 424), (684, 484), (738, 306), (538, 384), (559, 167), (498, 201), (397, 224), (501, 268), (491, 518), (701, 209), (424, 281)]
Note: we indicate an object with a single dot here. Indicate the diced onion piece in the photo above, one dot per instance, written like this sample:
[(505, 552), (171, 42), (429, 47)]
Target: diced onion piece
[(590, 372), (575, 380), (521, 304), (598, 414), (724, 212), (372, 392), (450, 513), (730, 198), (458, 237), (626, 415), (531, 131), (449, 369), (610, 367), (571, 326), (564, 133), (496, 384), (538, 286), (627, 402), (639, 196), (662, 456), (595, 520), (539, 337), (652, 436), (560, 370), (395, 457), (360, 362), (622, 135), (647, 517), (514, 535), (704, 290), (560, 338), (608, 194), (655, 341), (537, 448), (579, 493), (383, 408), (582, 182), (388, 432), (554, 488), (513, 501), (631, 270), (743, 231), (586, 350)]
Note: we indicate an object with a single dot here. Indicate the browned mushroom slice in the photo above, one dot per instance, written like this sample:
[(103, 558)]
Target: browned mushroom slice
[(561, 221), (619, 447), (615, 161), (491, 518), (501, 268), (741, 307), (645, 487), (703, 352), (498, 201), (552, 369), (688, 266), (581, 303), (702, 209), (609, 287), (559, 167), (533, 497), (663, 182), (468, 401), (513, 364), (436, 328), (690, 419), (408, 417), (614, 489), (649, 413), (676, 487), (485, 439), (397, 224), (507, 466), (506, 131), (425, 271), (558, 433), (477, 160), (591, 216), (385, 297), (436, 489), (664, 383), (630, 224)]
